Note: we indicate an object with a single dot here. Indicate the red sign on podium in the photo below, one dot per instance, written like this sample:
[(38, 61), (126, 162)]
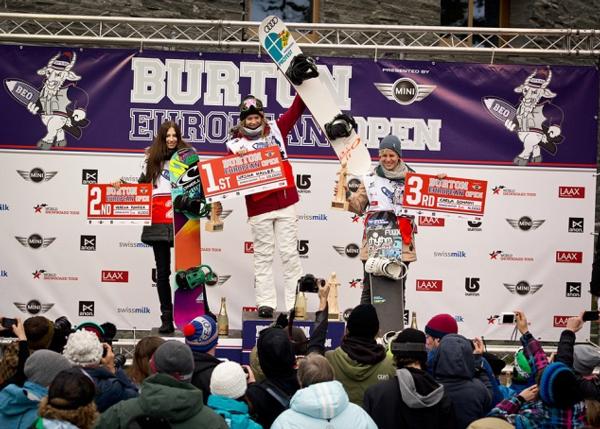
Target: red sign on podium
[(128, 205)]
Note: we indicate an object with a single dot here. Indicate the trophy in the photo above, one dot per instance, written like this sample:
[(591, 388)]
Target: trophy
[(214, 224), (332, 298), (339, 200)]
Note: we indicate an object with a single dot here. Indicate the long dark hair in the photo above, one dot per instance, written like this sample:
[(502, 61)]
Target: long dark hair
[(158, 151)]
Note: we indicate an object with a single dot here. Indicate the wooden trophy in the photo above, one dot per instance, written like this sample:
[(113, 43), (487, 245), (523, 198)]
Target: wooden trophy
[(332, 298), (214, 224), (339, 200)]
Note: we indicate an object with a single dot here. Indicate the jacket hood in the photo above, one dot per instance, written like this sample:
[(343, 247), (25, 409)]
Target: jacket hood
[(172, 399), (454, 358), (56, 424), (418, 389), (351, 368), (218, 402), (275, 353), (16, 400), (320, 401)]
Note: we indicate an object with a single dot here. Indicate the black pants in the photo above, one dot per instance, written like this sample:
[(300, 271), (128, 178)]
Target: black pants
[(162, 256), (365, 296)]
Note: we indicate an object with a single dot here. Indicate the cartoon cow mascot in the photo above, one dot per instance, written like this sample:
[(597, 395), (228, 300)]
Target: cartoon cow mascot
[(61, 107), (537, 121)]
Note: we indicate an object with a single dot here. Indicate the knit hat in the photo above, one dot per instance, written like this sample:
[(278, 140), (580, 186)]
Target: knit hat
[(392, 143), (558, 386), (175, 359), (440, 325), (275, 353), (521, 367), (71, 388), (43, 365), (586, 358), (228, 379), (201, 334), (490, 423), (39, 332), (83, 348), (410, 344), (363, 322), (250, 106)]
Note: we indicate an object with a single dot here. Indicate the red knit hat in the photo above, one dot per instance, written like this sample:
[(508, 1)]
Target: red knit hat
[(440, 325)]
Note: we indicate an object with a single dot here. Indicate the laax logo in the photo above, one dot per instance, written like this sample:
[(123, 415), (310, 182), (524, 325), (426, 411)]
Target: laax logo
[(350, 250), (302, 246), (114, 276), (89, 176), (86, 308), (429, 285), (575, 224), (431, 221), (560, 321), (525, 223), (474, 225), (35, 241), (472, 286), (569, 257), (404, 91), (87, 243), (522, 288), (248, 247), (303, 183), (571, 192), (573, 290), (37, 175), (33, 307)]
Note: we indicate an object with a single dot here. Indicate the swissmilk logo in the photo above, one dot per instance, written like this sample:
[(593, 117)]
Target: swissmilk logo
[(115, 276), (455, 254), (571, 192), (431, 221), (424, 285), (569, 257)]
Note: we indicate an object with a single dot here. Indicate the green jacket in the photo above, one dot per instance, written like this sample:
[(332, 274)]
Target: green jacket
[(163, 396), (357, 377)]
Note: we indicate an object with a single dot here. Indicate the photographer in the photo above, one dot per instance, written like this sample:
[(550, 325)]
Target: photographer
[(14, 354)]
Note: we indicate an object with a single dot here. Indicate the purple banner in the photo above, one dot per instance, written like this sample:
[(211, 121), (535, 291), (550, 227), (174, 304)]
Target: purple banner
[(114, 100)]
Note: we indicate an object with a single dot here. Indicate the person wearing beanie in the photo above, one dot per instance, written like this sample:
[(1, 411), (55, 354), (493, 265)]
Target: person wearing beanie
[(228, 384), (84, 349), (557, 400), (321, 401), (39, 332), (359, 361), (271, 214), (19, 405), (586, 359), (202, 336), (412, 399), (167, 394), (439, 326)]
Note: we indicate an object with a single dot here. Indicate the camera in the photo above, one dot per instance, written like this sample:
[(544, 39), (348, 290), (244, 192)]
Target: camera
[(8, 323), (120, 360), (309, 283), (506, 319)]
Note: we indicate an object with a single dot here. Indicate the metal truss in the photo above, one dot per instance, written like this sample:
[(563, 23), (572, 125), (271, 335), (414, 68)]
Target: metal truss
[(369, 39)]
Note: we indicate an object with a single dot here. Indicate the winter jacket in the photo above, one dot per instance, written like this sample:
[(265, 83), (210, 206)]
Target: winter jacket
[(111, 388), (411, 400), (43, 423), (164, 396), (203, 368), (355, 376), (323, 405), (235, 413), (454, 367), (265, 406), (19, 405)]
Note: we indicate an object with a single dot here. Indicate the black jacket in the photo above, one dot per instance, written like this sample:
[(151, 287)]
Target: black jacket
[(420, 404), (203, 368), (589, 386)]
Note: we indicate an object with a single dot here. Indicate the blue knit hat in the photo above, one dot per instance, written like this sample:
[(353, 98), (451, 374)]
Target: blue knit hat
[(558, 386), (391, 142), (201, 334)]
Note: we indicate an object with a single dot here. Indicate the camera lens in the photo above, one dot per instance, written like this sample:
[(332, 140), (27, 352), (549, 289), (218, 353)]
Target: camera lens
[(120, 360)]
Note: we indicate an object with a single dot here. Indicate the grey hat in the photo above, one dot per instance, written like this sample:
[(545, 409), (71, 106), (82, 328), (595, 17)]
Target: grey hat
[(43, 365), (392, 143), (174, 358), (586, 358)]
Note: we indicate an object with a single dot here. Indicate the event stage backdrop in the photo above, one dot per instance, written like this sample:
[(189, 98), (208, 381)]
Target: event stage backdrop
[(533, 250)]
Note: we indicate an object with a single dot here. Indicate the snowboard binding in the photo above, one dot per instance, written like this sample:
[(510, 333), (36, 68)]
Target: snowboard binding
[(196, 206), (301, 69), (341, 126), (196, 276)]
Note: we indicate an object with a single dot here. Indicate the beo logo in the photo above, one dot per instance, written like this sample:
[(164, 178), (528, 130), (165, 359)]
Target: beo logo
[(472, 286), (303, 181)]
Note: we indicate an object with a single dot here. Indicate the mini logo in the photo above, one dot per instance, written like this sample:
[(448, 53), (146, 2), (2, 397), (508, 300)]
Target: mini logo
[(87, 242), (571, 192), (33, 307), (225, 214), (560, 321), (569, 257), (89, 176), (37, 175), (431, 221), (86, 308), (455, 254), (303, 183), (302, 246), (472, 286), (573, 290), (429, 285), (522, 288), (350, 250), (114, 276), (35, 241), (4, 207), (248, 247), (575, 224), (404, 91), (353, 185), (525, 223), (474, 225)]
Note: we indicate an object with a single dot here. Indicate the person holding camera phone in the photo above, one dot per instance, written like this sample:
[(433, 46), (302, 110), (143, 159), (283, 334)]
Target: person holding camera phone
[(15, 354)]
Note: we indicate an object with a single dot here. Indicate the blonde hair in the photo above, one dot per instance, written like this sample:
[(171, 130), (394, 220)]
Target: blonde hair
[(83, 417), (313, 369), (592, 412)]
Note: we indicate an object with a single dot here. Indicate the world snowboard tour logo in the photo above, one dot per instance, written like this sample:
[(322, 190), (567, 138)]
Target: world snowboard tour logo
[(44, 208), (499, 255), (511, 192), (404, 91), (45, 275), (37, 175), (35, 241), (356, 283)]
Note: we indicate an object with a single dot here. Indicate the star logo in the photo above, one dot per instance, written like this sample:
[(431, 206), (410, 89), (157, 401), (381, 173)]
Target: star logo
[(495, 253), (38, 273), (355, 218), (496, 190), (354, 283), (39, 207), (492, 320)]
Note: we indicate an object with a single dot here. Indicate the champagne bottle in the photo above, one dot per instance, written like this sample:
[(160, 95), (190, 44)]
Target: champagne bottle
[(300, 306), (223, 319), (413, 322)]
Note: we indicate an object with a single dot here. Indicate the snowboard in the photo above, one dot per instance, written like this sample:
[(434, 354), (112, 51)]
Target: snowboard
[(387, 295), (185, 181), (279, 43)]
